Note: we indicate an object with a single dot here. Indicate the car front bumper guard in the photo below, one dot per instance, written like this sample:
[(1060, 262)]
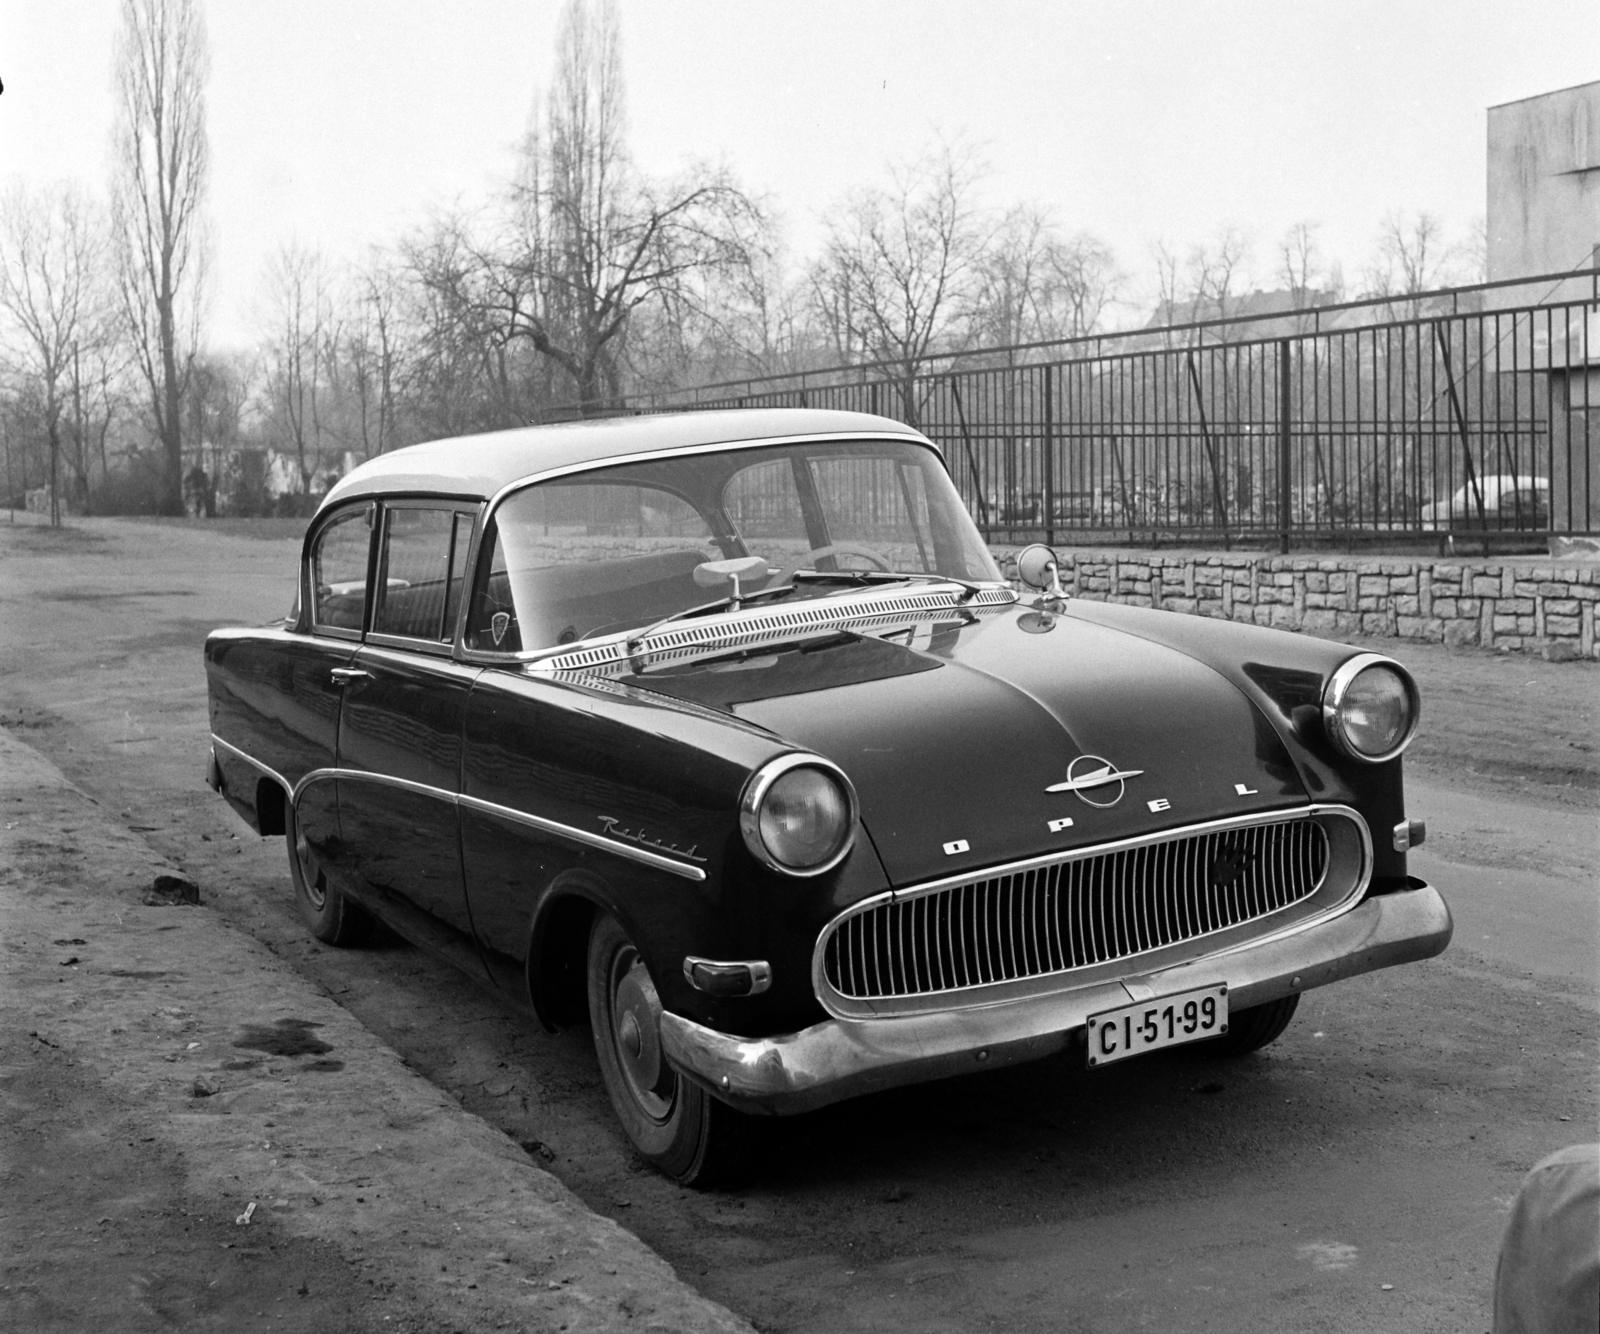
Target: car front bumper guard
[(844, 1058)]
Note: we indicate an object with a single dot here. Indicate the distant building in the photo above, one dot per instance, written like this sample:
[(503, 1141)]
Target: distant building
[(1292, 304), (1544, 186)]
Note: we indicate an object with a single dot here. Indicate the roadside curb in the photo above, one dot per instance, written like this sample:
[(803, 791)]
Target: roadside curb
[(272, 1093)]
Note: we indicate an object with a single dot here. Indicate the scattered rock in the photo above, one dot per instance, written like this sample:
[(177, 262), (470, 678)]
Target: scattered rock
[(168, 890), (207, 1086), (536, 1148)]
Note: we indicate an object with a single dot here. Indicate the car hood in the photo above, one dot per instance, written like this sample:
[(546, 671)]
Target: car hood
[(954, 729)]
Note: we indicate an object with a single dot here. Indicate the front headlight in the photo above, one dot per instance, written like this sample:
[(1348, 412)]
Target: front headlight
[(798, 814), (1370, 708)]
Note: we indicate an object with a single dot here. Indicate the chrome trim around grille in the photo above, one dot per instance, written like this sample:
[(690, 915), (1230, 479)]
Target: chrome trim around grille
[(1073, 918)]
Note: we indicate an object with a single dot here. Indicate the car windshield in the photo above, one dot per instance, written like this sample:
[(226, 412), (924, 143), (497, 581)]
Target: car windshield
[(618, 548)]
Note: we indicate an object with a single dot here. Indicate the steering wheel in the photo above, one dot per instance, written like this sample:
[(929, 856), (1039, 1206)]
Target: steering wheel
[(878, 559)]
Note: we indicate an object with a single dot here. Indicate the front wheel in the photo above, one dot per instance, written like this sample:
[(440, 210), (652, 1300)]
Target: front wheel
[(333, 918), (1252, 1029), (676, 1126)]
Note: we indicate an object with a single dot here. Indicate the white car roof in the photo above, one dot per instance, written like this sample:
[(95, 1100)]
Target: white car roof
[(478, 466)]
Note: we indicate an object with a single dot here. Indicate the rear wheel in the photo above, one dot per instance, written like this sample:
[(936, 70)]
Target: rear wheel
[(333, 918), (676, 1126), (1252, 1029)]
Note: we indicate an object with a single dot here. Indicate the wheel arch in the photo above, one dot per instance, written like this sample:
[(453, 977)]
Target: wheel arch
[(271, 803), (558, 948)]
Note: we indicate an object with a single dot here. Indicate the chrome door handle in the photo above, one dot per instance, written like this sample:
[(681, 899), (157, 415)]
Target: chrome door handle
[(343, 676)]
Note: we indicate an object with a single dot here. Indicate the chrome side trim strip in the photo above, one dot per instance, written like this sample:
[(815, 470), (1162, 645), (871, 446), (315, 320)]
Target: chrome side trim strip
[(630, 851), (511, 815), (252, 761)]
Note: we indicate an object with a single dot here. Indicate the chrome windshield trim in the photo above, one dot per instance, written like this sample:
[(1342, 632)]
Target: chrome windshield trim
[(748, 626), (252, 761), (1152, 961), (631, 851), (719, 447)]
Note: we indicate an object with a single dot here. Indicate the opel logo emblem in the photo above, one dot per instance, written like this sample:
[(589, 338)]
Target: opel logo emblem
[(1097, 781)]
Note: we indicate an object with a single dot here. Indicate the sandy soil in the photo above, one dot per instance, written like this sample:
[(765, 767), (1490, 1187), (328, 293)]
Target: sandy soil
[(1375, 1144)]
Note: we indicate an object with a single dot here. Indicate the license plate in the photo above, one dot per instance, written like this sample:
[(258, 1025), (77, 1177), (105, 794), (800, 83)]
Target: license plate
[(1165, 1021)]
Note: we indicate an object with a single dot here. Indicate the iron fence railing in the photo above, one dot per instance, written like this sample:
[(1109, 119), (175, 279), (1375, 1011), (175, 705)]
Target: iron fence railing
[(1473, 410)]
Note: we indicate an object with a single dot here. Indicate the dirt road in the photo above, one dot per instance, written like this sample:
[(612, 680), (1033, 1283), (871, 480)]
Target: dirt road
[(1353, 1176)]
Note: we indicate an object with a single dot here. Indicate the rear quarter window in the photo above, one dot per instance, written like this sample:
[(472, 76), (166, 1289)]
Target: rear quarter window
[(339, 571)]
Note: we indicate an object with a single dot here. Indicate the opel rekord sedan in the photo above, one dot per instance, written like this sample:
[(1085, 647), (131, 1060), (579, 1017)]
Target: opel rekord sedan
[(723, 734)]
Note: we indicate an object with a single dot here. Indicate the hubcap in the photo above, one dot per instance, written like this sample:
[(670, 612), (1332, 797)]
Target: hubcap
[(636, 1012), (310, 877)]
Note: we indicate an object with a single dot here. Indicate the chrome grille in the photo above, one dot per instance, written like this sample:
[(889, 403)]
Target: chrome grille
[(1074, 913)]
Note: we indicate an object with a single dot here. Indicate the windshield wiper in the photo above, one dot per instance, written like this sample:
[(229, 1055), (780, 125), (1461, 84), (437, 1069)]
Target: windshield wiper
[(631, 644), (861, 577)]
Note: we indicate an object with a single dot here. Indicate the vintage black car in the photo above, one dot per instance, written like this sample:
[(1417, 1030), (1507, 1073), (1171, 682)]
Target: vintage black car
[(723, 733)]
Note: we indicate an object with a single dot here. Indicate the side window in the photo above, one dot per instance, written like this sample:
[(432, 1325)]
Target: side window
[(339, 571), (420, 571)]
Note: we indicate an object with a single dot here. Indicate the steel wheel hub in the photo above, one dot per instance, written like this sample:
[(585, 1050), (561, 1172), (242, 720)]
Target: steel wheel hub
[(636, 1014)]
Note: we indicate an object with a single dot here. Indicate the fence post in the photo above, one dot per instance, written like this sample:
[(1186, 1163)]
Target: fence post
[(1049, 460), (1284, 441)]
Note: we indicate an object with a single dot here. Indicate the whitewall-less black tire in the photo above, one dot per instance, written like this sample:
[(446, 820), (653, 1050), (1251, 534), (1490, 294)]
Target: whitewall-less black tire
[(333, 918), (675, 1125)]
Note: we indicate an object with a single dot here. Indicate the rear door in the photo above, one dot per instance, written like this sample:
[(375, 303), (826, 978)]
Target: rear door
[(400, 732), (291, 684)]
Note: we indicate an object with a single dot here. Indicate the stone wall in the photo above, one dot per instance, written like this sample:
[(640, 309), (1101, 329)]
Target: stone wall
[(1513, 604)]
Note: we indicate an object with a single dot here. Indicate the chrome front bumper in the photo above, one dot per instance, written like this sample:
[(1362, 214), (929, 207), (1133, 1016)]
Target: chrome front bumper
[(844, 1058)]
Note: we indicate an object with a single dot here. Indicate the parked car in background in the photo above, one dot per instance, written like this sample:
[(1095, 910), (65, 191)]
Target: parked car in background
[(1508, 502), (723, 734)]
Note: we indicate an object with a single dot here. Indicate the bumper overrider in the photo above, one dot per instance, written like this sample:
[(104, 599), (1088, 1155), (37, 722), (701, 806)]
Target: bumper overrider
[(844, 1058)]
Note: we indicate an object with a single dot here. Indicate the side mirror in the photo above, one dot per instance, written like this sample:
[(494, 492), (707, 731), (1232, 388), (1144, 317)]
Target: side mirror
[(1037, 568)]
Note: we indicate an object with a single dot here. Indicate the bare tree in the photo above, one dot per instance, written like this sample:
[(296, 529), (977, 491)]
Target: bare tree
[(1169, 285), (299, 319), (50, 252), (1300, 262), (1216, 271), (161, 156), (95, 390), (590, 240), (901, 264), (1032, 285), (371, 351), (1411, 256)]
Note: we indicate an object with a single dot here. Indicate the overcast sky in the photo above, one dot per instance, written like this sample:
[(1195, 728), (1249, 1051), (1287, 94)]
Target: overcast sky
[(345, 122)]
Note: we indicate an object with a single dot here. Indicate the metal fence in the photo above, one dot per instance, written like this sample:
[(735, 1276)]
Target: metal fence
[(1470, 410)]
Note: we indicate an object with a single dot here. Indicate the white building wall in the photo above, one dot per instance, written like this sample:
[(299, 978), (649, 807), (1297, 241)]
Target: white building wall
[(1544, 184)]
